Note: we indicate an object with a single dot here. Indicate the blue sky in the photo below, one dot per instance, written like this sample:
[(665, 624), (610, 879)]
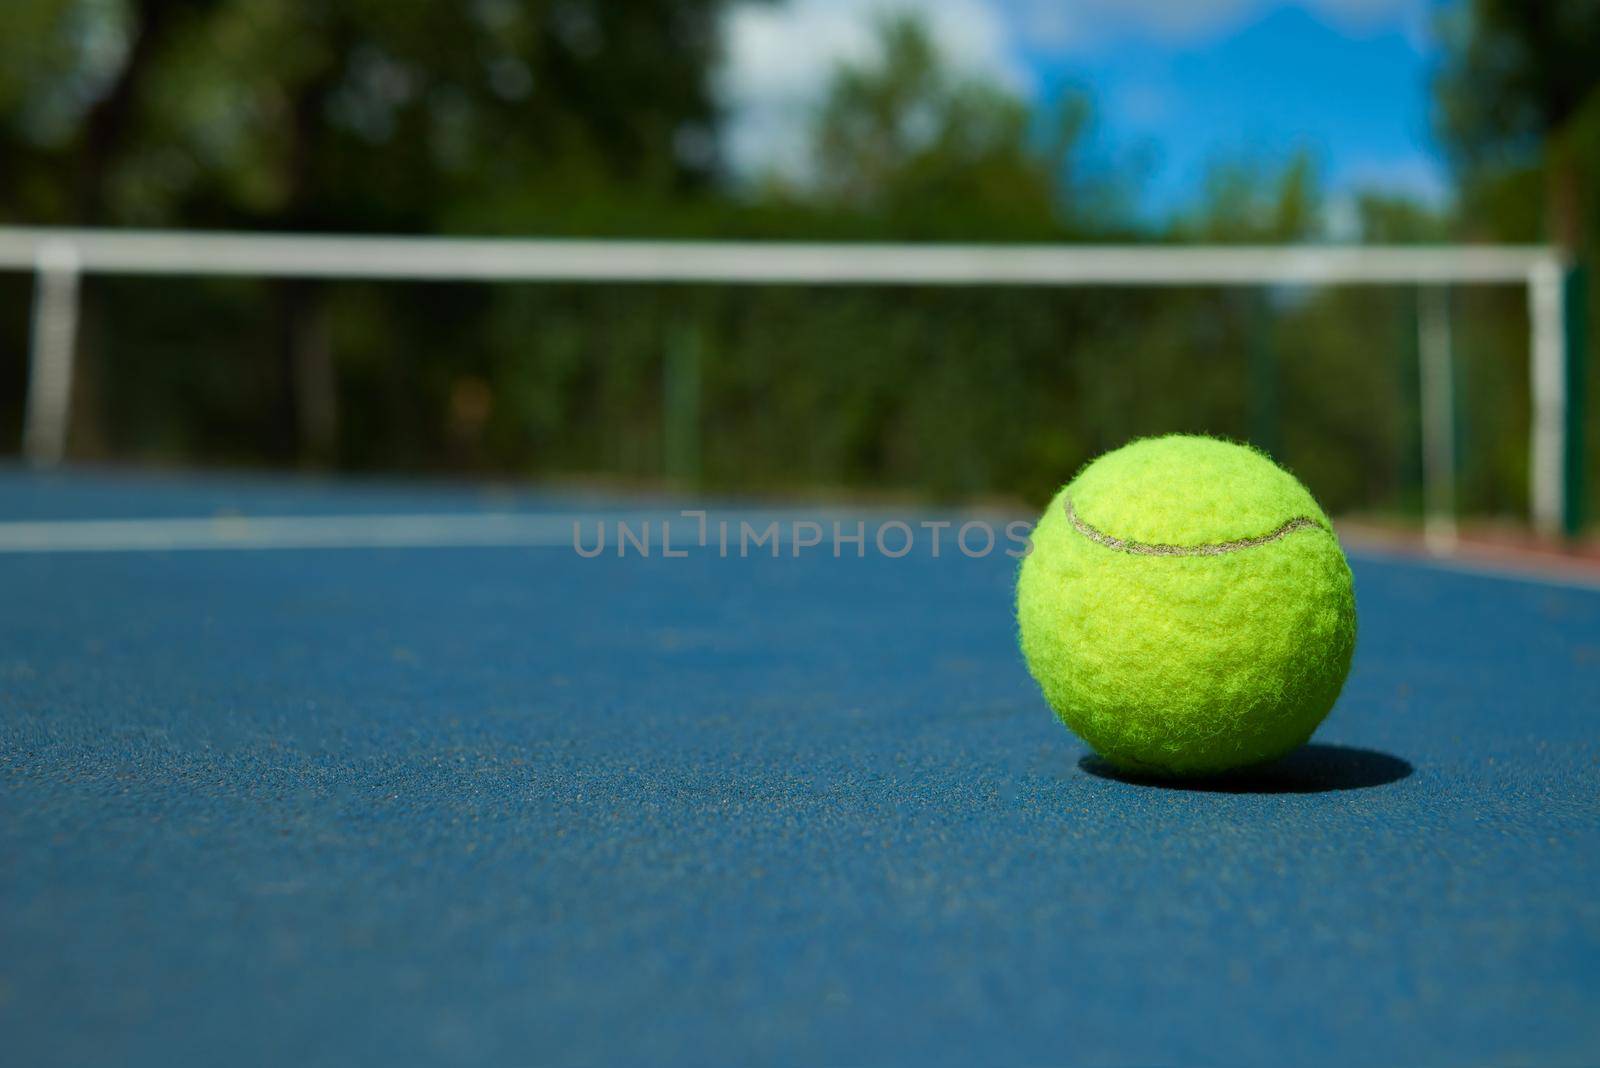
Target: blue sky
[(1181, 82)]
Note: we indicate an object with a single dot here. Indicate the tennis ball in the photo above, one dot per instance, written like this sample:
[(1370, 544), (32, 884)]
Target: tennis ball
[(1186, 608)]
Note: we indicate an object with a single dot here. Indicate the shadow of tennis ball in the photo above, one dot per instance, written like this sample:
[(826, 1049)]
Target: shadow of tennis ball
[(1311, 769)]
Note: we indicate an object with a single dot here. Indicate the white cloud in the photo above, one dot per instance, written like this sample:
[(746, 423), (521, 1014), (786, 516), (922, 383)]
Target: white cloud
[(1419, 176), (1141, 105), (1368, 11), (779, 58)]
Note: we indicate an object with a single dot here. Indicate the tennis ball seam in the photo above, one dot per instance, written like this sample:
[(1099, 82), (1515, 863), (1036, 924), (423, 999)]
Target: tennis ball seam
[(1219, 548)]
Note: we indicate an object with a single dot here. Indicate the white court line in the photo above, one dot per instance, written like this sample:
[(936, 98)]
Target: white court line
[(1532, 573), (388, 531), (539, 531), (301, 532)]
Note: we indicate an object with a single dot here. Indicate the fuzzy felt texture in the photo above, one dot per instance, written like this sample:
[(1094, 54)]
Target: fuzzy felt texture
[(1186, 607)]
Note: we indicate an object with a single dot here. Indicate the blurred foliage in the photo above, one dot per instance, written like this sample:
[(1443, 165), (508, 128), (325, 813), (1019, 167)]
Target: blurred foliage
[(579, 117), (359, 115), (1519, 107), (1515, 73), (936, 154), (1252, 200)]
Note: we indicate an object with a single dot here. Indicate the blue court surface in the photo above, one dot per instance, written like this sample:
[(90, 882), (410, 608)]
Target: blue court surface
[(309, 773)]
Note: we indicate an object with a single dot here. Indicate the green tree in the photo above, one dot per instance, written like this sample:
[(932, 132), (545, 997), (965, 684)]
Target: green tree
[(1518, 88), (906, 138), (1257, 200), (1519, 104), (74, 81), (1387, 219), (364, 115)]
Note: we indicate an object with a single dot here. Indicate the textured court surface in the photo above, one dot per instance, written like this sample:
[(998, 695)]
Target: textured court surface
[(505, 805)]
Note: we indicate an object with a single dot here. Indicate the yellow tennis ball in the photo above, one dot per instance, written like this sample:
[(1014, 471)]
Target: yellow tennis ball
[(1186, 607)]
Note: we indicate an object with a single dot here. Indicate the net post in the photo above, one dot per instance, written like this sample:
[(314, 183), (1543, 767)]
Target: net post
[(1575, 320), (57, 268), (1547, 446), (1436, 378)]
